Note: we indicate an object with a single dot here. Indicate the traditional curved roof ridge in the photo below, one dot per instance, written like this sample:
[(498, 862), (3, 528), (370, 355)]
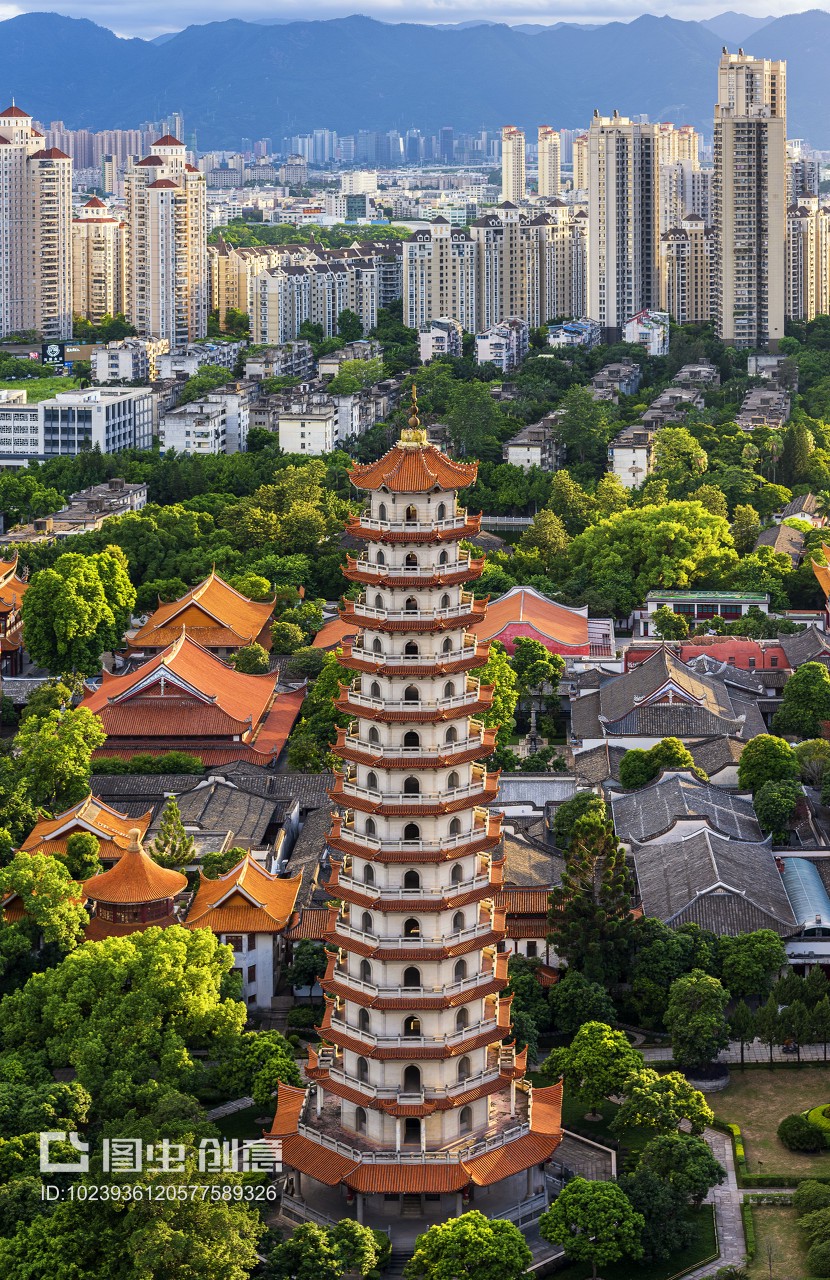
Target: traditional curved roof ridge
[(413, 465), (135, 878)]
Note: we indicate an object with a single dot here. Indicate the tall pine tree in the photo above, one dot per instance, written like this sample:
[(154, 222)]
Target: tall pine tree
[(172, 847), (590, 912)]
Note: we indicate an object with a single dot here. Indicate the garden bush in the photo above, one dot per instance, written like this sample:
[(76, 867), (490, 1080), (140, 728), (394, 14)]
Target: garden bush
[(820, 1116), (304, 1015), (798, 1134), (818, 1259), (810, 1196)]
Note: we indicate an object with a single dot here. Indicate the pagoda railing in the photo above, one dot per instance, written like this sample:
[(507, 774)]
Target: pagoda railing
[(414, 660), (368, 521), (447, 1155), (359, 699), (418, 1042), (398, 993), (423, 1095), (481, 881), (414, 753), (398, 942), (471, 791), (478, 832)]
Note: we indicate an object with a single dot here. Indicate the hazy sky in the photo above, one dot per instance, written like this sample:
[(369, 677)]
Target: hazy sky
[(148, 18)]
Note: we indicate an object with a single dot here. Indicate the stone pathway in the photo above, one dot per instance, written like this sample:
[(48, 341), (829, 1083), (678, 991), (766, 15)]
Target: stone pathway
[(755, 1053), (727, 1201), (228, 1108)]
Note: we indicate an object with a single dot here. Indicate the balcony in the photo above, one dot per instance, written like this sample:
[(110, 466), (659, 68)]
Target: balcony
[(474, 742), (360, 608), (358, 698), (400, 943), (416, 1043), (447, 989), (351, 790), (422, 894), (485, 826)]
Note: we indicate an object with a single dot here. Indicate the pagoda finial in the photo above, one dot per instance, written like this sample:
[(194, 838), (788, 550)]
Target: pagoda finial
[(134, 837), (413, 435)]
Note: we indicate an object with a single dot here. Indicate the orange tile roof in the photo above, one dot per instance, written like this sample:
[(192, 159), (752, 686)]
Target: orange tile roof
[(246, 899), (98, 929), (524, 605), (312, 923), (429, 1178), (186, 670), (213, 613), (822, 571), (332, 633), (135, 879), (12, 588), (523, 901), (413, 467), (110, 826)]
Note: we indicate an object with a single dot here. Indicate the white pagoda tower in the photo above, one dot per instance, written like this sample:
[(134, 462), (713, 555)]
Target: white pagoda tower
[(418, 1104)]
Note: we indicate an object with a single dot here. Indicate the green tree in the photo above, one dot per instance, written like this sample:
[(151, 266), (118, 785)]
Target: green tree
[(172, 846), (200, 384), (349, 325), (820, 1023), (639, 767), (548, 537), (685, 1162), (77, 609), (805, 702), (474, 420), (570, 811), (51, 899), (286, 637), (255, 1063), (678, 458), (661, 1102), (768, 1025), (749, 962), (52, 756), (470, 1247), (742, 1026), (596, 1064), (590, 911), (746, 526), (666, 1228), (308, 963), (714, 500), (500, 675), (766, 758), (251, 585), (669, 625), (695, 1019), (354, 375), (813, 758), (661, 955), (574, 1001), (796, 1024), (251, 659), (214, 865), (775, 803), (593, 1222), (81, 859), (584, 427)]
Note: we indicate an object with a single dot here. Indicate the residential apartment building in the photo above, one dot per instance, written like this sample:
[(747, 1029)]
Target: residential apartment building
[(536, 445), (684, 189), (35, 231), (290, 360), (189, 359), (130, 360), (808, 260), (99, 263), (550, 158), (623, 219), (168, 278), (649, 329), (749, 200), (308, 428), (580, 162), (631, 453), (439, 276), (73, 422), (317, 291), (505, 345), (233, 272), (686, 264), (200, 427), (513, 177), (441, 337)]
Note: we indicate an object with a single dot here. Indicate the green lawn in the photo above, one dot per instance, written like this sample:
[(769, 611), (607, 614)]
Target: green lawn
[(243, 1124), (574, 1118), (702, 1248), (758, 1100), (40, 388), (778, 1242)]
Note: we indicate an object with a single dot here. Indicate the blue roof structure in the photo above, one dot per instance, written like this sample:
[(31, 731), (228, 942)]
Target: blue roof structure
[(808, 897)]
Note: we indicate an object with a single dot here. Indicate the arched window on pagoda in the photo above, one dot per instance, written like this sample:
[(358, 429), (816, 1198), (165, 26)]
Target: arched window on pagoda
[(451, 735), (412, 1131), (360, 1119), (458, 921), (455, 827), (444, 558), (457, 873), (445, 601), (366, 922), (374, 735), (363, 1020), (412, 831), (380, 558), (368, 874), (411, 1027), (412, 738), (411, 560), (465, 1120), (377, 645), (412, 928), (462, 1019), (365, 971), (412, 1080), (371, 827), (372, 780), (447, 645), (453, 781), (441, 511), (374, 690), (412, 880), (459, 973), (412, 693), (412, 978), (379, 601), (410, 605), (411, 786), (411, 514), (362, 1070), (464, 1069), (382, 511), (449, 689)]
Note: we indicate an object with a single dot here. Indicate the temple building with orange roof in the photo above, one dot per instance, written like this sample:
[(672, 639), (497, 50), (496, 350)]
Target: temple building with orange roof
[(418, 1102), (523, 612), (248, 909), (112, 829), (186, 699), (135, 894), (822, 572), (214, 614), (12, 591)]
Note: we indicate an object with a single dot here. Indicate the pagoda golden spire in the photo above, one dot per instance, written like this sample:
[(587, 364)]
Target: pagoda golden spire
[(413, 433)]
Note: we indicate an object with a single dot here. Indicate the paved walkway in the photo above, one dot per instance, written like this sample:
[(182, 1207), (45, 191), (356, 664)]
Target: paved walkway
[(727, 1201), (755, 1052), (228, 1108)]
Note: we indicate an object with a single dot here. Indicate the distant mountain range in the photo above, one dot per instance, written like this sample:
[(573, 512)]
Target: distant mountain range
[(245, 79)]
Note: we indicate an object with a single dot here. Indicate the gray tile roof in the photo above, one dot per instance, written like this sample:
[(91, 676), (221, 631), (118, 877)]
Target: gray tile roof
[(785, 540), (652, 811), (308, 851), (528, 866), (805, 646), (705, 665), (727, 886)]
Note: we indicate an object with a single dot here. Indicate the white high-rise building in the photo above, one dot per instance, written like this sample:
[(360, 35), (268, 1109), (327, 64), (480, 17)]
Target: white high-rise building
[(623, 266), (168, 276), (513, 180), (749, 200), (550, 156), (98, 262), (439, 276), (35, 231), (418, 1102), (808, 260)]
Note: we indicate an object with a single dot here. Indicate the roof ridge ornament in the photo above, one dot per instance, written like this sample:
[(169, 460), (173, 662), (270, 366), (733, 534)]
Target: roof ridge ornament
[(413, 436)]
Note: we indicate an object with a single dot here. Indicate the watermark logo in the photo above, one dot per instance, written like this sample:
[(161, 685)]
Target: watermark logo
[(133, 1155), (57, 1166)]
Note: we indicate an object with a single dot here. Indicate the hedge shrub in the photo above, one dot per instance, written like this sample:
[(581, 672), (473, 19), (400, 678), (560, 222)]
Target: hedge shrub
[(811, 1195), (818, 1259), (798, 1134)]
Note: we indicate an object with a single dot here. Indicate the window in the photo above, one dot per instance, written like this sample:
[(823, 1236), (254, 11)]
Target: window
[(365, 971), (411, 787), (412, 978), (773, 662), (453, 781), (451, 735), (449, 689), (411, 694), (371, 827), (374, 689), (362, 1070), (360, 1119), (411, 1026), (411, 649), (382, 511), (252, 973), (445, 601), (412, 1080), (380, 558), (374, 736), (366, 922), (411, 560), (410, 605), (412, 928), (234, 941), (412, 831), (447, 645), (378, 601), (462, 1020), (460, 970), (458, 921), (531, 950), (465, 1120), (363, 1019), (441, 512), (412, 1132), (443, 558), (412, 880), (464, 1069), (377, 647), (412, 738), (457, 873), (751, 664), (252, 942), (411, 515), (368, 875)]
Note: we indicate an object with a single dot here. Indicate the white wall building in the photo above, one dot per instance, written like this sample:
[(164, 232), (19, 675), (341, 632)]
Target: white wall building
[(197, 428), (309, 428), (441, 337), (505, 345), (650, 329), (130, 360)]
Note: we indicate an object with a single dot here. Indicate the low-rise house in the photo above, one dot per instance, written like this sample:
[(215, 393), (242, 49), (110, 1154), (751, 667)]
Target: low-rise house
[(623, 377), (133, 895), (525, 612), (286, 360), (505, 344), (672, 405), (189, 360), (575, 333), (328, 366), (112, 829), (130, 360), (785, 541), (677, 805), (764, 408), (214, 614), (631, 455), (698, 606), (443, 336), (803, 507), (702, 373), (536, 445), (649, 329), (200, 428), (84, 512)]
